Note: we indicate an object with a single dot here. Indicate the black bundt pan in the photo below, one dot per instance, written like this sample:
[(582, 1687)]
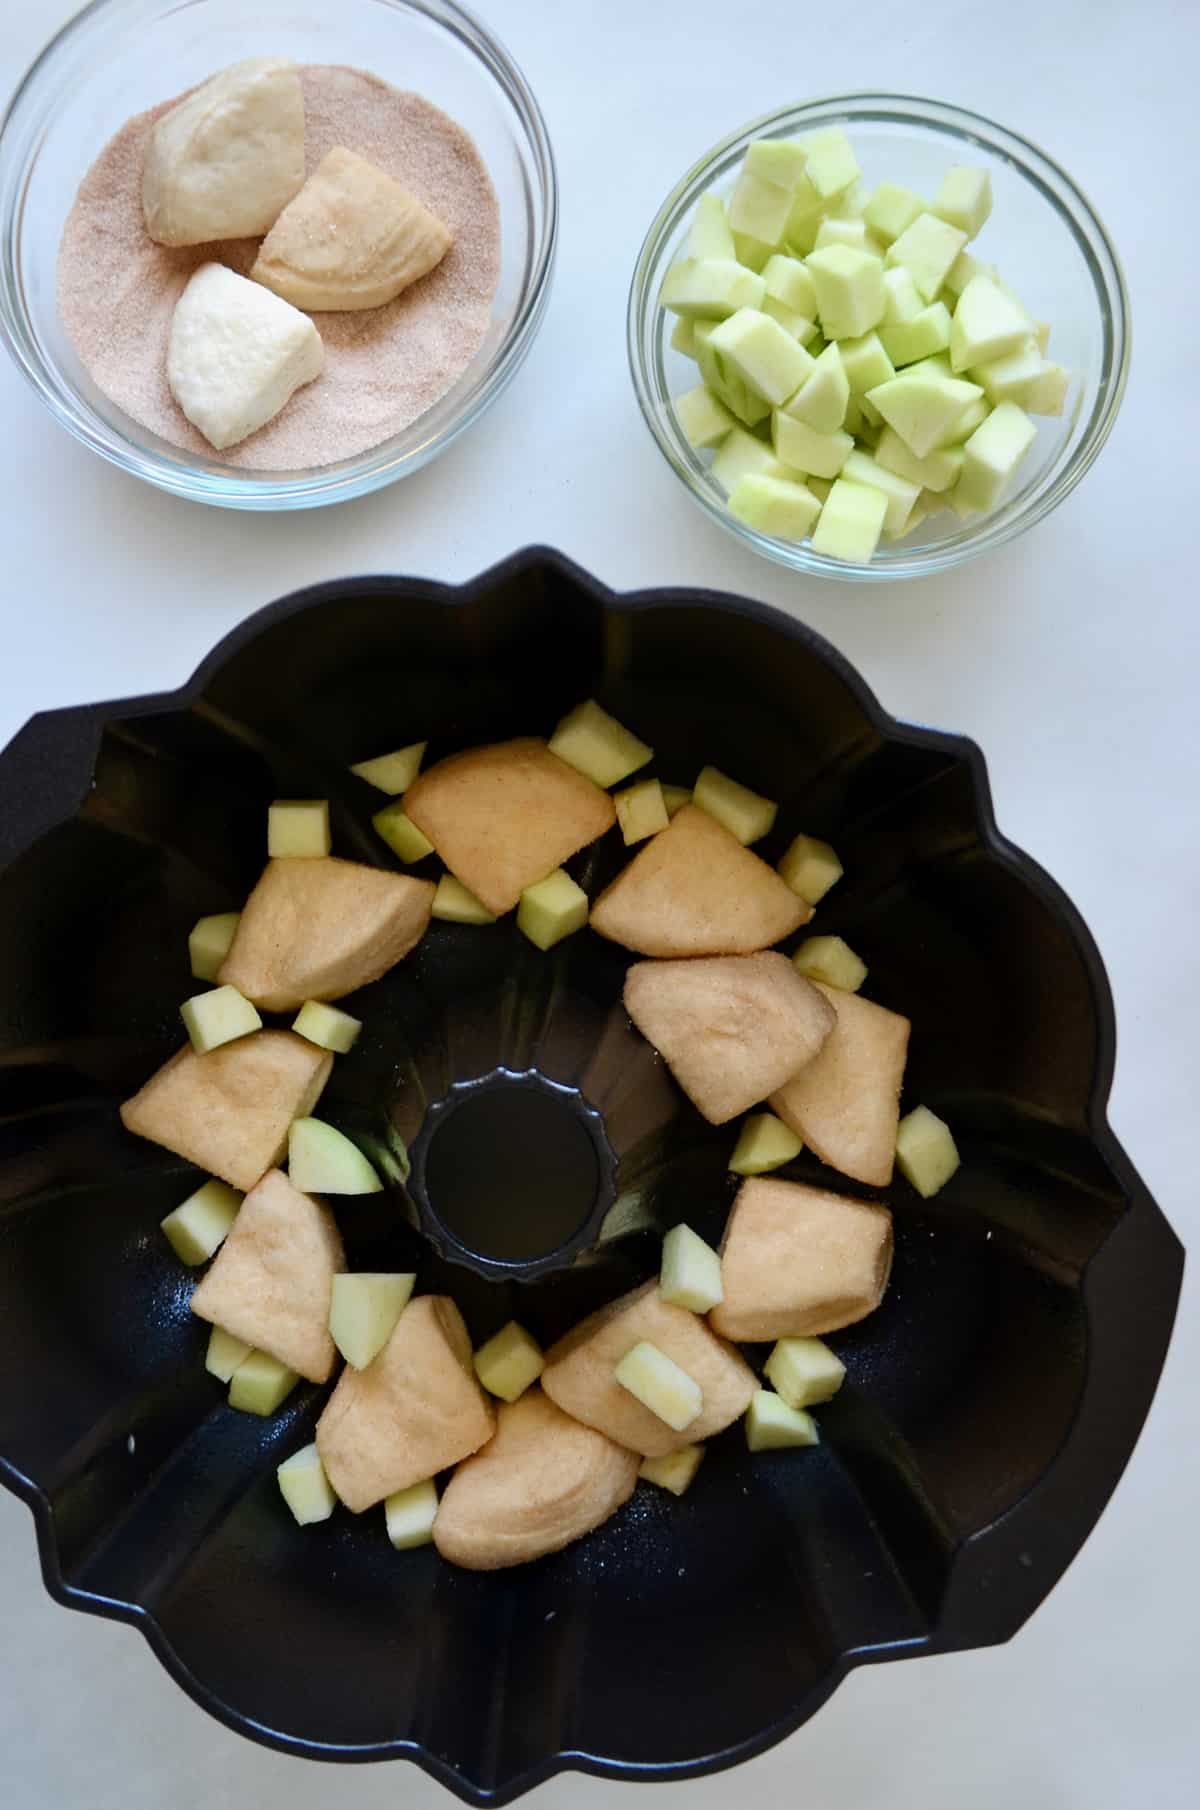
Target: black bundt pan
[(991, 1403)]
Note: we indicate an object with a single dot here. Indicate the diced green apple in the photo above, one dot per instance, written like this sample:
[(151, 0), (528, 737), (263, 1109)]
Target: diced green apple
[(683, 337), (928, 333), (810, 868), (965, 267), (742, 455), (752, 253), (675, 797), (641, 811), (800, 326), (364, 1306), (865, 362), (759, 207), (710, 288), (674, 1472), (938, 470), (705, 420), (829, 959), (987, 324), (298, 827), (922, 406), (209, 943), (305, 1487), (710, 235), (453, 903), (902, 300), (260, 1384), (964, 199), (782, 161), (322, 1160), (745, 814), (659, 1383), (510, 1362), (926, 1153), (973, 416), (595, 744), (393, 773), (1048, 391), (845, 232), (762, 353), (401, 834), (764, 1143), (890, 209), (410, 1514), (927, 249), (552, 909), (225, 1354), (746, 404), (821, 400), (804, 1372), (832, 165), (1010, 378), (900, 492), (218, 1017), (690, 1275), (789, 282), (325, 1026), (781, 507), (992, 455), (772, 1426), (198, 1227), (851, 522), (802, 449), (849, 286)]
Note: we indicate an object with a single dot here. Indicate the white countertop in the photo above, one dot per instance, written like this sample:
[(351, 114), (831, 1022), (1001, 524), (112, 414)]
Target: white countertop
[(1073, 657)]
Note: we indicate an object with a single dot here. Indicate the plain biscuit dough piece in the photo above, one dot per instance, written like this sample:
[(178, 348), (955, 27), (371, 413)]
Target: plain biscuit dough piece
[(272, 1279), (504, 816), (845, 1104), (237, 354), (542, 1481), (228, 158), (797, 1261), (319, 928), (415, 1410), (229, 1111), (731, 1028), (579, 1372), (695, 890), (352, 238)]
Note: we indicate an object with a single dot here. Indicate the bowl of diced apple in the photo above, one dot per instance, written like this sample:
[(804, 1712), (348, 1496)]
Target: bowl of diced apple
[(875, 335), (556, 1188)]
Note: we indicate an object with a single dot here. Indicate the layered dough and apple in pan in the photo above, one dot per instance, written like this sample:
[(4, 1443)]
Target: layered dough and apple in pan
[(540, 1446)]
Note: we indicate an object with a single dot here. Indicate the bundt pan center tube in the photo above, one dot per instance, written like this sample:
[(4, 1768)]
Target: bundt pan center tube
[(990, 1403)]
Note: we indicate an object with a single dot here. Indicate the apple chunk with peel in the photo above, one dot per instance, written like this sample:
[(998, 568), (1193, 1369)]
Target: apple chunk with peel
[(272, 1280), (690, 1273), (804, 1371), (261, 1384), (830, 959), (197, 1228), (504, 816), (510, 1362), (415, 1410), (764, 1143), (746, 814), (328, 1028), (209, 943), (401, 833), (926, 1153), (410, 1514), (658, 1382), (363, 1309), (694, 890), (772, 1426), (579, 1374), (212, 1019), (542, 1481), (796, 1261), (305, 1487), (393, 773), (552, 909), (322, 1160), (845, 1103), (641, 811), (319, 929), (762, 353), (676, 1472), (731, 1028), (229, 1112)]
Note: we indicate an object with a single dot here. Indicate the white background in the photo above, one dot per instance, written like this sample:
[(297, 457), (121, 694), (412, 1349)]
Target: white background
[(1073, 657)]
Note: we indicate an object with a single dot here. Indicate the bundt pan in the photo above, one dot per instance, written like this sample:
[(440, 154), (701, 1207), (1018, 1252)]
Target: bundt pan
[(990, 1405)]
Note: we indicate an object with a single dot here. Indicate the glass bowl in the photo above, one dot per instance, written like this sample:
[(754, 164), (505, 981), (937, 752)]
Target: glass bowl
[(1044, 236), (119, 57)]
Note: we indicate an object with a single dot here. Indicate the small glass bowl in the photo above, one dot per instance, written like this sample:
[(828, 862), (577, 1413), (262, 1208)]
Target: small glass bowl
[(1046, 240), (119, 57)]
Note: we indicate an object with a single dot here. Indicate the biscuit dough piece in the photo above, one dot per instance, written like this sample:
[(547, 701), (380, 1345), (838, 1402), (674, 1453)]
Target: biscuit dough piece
[(229, 1112), (845, 1103), (416, 1409), (796, 1261), (228, 158), (237, 354), (317, 928), (272, 1280), (541, 1482), (352, 238)]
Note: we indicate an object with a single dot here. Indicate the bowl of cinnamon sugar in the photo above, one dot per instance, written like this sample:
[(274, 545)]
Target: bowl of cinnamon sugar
[(273, 258)]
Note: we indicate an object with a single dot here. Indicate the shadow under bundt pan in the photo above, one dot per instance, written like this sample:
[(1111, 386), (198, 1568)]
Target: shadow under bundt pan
[(990, 1405)]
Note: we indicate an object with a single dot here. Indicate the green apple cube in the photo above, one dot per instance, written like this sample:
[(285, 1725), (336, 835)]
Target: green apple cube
[(225, 1354), (890, 209), (842, 232), (849, 285), (922, 406), (926, 1153), (987, 324), (902, 300), (322, 1160), (832, 961), (965, 268), (851, 522), (911, 340), (690, 1275), (865, 363), (509, 1362), (1048, 391), (704, 420), (771, 1425), (675, 797), (764, 1143), (410, 1514), (820, 487), (936, 365), (821, 400), (992, 455), (752, 253), (393, 773), (675, 1471), (870, 413), (800, 326), (401, 834), (209, 943), (782, 161), (683, 337), (641, 811), (595, 744), (364, 1307), (856, 423), (325, 1026), (788, 281), (762, 353), (298, 827), (927, 249), (659, 1383), (900, 492), (938, 470), (212, 1019), (197, 1228), (260, 1384), (305, 1487), (832, 165), (710, 288), (803, 224), (759, 208), (916, 516), (810, 868), (850, 204), (741, 455), (962, 506), (552, 909), (803, 449), (746, 404), (744, 813), (453, 903), (964, 199), (780, 507), (1010, 378), (804, 1372), (973, 416), (710, 235)]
